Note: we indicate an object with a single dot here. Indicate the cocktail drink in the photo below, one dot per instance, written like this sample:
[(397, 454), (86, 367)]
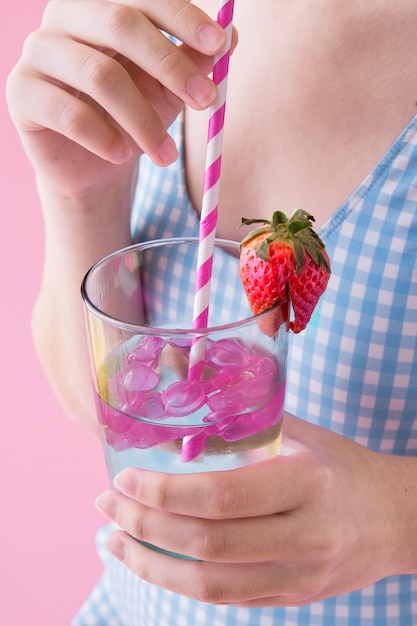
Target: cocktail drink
[(152, 413)]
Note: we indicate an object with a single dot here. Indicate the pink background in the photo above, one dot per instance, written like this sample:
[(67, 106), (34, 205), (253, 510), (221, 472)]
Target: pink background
[(51, 469)]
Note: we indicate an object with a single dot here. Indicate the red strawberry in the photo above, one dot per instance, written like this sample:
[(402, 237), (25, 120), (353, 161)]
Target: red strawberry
[(284, 262)]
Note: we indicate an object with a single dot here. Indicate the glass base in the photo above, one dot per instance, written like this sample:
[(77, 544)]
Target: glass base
[(150, 546)]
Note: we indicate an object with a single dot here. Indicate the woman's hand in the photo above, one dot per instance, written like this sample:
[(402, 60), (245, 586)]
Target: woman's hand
[(99, 83), (326, 517)]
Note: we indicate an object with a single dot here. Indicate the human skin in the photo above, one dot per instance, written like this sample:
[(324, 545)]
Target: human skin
[(320, 520), (316, 93)]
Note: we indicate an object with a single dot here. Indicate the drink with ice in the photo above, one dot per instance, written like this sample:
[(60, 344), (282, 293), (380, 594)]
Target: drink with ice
[(152, 416), (152, 412), (155, 409)]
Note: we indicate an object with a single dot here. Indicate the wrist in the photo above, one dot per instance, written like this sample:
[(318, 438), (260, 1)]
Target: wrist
[(91, 224)]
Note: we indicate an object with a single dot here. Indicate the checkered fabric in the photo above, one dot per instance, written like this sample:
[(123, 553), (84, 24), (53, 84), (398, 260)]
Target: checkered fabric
[(354, 370)]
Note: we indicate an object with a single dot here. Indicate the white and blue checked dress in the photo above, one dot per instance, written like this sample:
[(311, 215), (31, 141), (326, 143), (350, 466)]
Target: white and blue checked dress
[(354, 370)]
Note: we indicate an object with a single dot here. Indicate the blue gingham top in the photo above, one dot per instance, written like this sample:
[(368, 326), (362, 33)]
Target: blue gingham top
[(354, 370)]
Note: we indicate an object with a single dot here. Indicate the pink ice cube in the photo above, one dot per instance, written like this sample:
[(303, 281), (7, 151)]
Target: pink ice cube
[(184, 397)]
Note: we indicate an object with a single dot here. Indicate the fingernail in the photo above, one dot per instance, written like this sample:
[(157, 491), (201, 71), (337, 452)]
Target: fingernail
[(211, 37), (106, 504), (126, 483), (116, 547), (167, 151), (201, 89)]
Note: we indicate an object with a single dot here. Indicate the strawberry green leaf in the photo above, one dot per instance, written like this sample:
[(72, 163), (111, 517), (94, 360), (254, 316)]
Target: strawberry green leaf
[(263, 250), (278, 218), (295, 227), (302, 215), (299, 256), (313, 251), (255, 233), (314, 237), (246, 222)]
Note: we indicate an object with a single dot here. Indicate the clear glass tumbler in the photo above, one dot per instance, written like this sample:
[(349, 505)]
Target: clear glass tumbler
[(153, 413)]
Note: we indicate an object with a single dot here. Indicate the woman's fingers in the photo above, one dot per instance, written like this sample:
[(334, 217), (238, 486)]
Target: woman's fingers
[(88, 71), (249, 584), (106, 73), (273, 486), (258, 539), (117, 18), (58, 110), (100, 72), (118, 27)]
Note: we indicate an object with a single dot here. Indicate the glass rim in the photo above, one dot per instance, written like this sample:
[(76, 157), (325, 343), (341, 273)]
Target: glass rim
[(152, 330)]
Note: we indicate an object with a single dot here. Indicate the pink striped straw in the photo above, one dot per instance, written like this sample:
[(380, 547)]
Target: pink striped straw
[(193, 446), (210, 203)]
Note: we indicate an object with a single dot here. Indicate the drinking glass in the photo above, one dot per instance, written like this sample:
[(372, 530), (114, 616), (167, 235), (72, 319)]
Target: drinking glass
[(169, 397)]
